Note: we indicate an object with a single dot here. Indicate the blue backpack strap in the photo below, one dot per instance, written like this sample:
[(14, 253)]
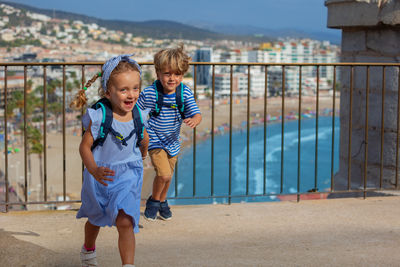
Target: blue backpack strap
[(138, 129), (106, 122), (159, 98), (179, 100), (139, 125)]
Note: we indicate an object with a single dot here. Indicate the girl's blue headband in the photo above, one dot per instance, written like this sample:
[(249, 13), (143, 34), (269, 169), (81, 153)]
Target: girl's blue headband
[(110, 65)]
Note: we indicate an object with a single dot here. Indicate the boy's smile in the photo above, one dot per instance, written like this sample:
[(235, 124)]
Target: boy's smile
[(169, 80)]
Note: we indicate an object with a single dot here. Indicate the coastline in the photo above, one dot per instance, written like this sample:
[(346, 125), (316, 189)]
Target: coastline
[(239, 120), (73, 174)]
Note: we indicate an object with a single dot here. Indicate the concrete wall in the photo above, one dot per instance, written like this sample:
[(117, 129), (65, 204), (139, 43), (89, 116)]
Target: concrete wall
[(370, 33)]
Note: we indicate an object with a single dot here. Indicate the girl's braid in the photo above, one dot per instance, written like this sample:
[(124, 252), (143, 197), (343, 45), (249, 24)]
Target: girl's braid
[(80, 97)]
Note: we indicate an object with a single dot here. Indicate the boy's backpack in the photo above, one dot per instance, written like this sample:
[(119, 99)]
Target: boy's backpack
[(160, 100), (105, 126)]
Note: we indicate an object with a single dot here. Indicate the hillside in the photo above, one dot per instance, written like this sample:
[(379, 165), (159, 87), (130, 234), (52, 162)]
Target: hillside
[(158, 29)]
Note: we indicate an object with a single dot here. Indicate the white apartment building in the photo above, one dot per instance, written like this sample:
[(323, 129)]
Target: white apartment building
[(290, 51), (240, 84)]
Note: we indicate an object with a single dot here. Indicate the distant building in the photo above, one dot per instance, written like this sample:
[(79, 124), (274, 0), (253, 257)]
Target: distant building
[(26, 57), (203, 72), (14, 84)]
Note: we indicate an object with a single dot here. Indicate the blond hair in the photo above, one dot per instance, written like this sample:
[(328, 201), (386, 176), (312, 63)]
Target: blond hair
[(174, 59), (80, 97)]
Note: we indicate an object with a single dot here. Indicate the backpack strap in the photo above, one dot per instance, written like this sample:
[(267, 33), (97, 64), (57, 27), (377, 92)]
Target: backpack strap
[(139, 125), (106, 121), (159, 98), (106, 124), (179, 101)]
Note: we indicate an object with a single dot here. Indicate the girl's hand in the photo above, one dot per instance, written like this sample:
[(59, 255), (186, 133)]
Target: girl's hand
[(100, 173)]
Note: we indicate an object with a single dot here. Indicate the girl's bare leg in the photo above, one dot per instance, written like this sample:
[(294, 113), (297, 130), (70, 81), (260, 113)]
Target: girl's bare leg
[(126, 239), (91, 233)]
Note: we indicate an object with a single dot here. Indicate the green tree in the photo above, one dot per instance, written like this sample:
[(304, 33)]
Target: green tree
[(51, 89), (34, 137), (43, 30), (56, 108), (147, 77)]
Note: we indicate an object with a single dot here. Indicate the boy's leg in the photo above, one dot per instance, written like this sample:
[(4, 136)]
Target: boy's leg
[(160, 187), (164, 166), (126, 238)]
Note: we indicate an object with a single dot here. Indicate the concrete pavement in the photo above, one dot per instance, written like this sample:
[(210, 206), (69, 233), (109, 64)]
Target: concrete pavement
[(334, 232)]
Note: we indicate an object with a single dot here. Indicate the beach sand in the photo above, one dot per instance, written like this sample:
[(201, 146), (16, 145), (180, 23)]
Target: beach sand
[(73, 163)]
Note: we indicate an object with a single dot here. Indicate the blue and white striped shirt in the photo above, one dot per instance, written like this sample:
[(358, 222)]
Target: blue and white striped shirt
[(164, 129)]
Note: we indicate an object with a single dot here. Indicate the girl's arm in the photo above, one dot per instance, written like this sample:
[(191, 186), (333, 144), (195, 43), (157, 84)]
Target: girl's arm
[(99, 173), (144, 144)]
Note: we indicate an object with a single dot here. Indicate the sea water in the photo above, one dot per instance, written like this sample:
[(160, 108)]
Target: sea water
[(252, 180)]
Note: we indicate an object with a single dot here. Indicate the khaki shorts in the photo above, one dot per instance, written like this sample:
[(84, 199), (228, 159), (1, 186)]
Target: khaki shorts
[(163, 163)]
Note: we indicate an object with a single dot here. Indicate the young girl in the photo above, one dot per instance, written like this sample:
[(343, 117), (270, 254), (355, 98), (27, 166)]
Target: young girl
[(114, 169)]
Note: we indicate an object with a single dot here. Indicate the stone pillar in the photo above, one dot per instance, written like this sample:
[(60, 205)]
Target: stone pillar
[(370, 33)]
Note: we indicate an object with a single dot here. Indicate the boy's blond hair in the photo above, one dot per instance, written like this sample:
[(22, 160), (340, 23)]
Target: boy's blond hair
[(175, 59)]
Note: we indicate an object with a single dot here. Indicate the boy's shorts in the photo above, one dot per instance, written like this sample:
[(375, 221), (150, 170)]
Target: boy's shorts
[(163, 163)]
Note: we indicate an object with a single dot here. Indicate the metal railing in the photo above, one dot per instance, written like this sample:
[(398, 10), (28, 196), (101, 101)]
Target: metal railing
[(212, 97)]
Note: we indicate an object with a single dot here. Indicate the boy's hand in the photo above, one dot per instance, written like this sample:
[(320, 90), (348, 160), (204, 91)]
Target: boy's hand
[(146, 162), (194, 121), (100, 173)]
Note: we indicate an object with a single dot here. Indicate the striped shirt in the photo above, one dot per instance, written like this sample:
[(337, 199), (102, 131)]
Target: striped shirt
[(164, 130)]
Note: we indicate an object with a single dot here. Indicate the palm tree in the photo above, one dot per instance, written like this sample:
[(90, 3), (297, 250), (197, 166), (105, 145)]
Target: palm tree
[(147, 78), (34, 137), (56, 108)]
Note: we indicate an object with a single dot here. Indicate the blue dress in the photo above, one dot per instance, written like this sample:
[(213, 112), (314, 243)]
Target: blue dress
[(100, 204)]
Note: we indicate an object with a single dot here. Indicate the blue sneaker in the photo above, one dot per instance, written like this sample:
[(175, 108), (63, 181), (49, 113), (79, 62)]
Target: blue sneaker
[(152, 207), (165, 211)]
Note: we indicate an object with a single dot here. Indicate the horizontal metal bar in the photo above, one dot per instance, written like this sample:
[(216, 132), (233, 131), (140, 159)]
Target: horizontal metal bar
[(39, 202), (377, 190), (94, 63)]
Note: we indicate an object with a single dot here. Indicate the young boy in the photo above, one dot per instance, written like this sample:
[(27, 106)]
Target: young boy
[(171, 103)]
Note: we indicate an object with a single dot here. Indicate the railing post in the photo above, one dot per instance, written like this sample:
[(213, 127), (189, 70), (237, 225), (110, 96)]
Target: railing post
[(299, 138), (6, 138), (265, 132), (283, 126), (248, 129), (366, 133), (25, 137), (63, 138), (316, 134), (45, 131), (194, 135), (230, 132), (333, 129)]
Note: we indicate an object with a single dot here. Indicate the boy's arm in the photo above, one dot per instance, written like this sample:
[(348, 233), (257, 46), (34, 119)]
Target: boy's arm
[(144, 144), (85, 150), (193, 121)]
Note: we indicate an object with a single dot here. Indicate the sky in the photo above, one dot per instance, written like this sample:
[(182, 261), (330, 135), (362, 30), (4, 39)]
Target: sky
[(307, 15)]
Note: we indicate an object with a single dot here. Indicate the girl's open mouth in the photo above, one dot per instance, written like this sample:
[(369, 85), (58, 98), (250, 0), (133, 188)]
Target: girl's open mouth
[(129, 103)]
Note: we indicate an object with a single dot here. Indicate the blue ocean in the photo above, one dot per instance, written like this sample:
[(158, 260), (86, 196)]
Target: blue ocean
[(256, 177)]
